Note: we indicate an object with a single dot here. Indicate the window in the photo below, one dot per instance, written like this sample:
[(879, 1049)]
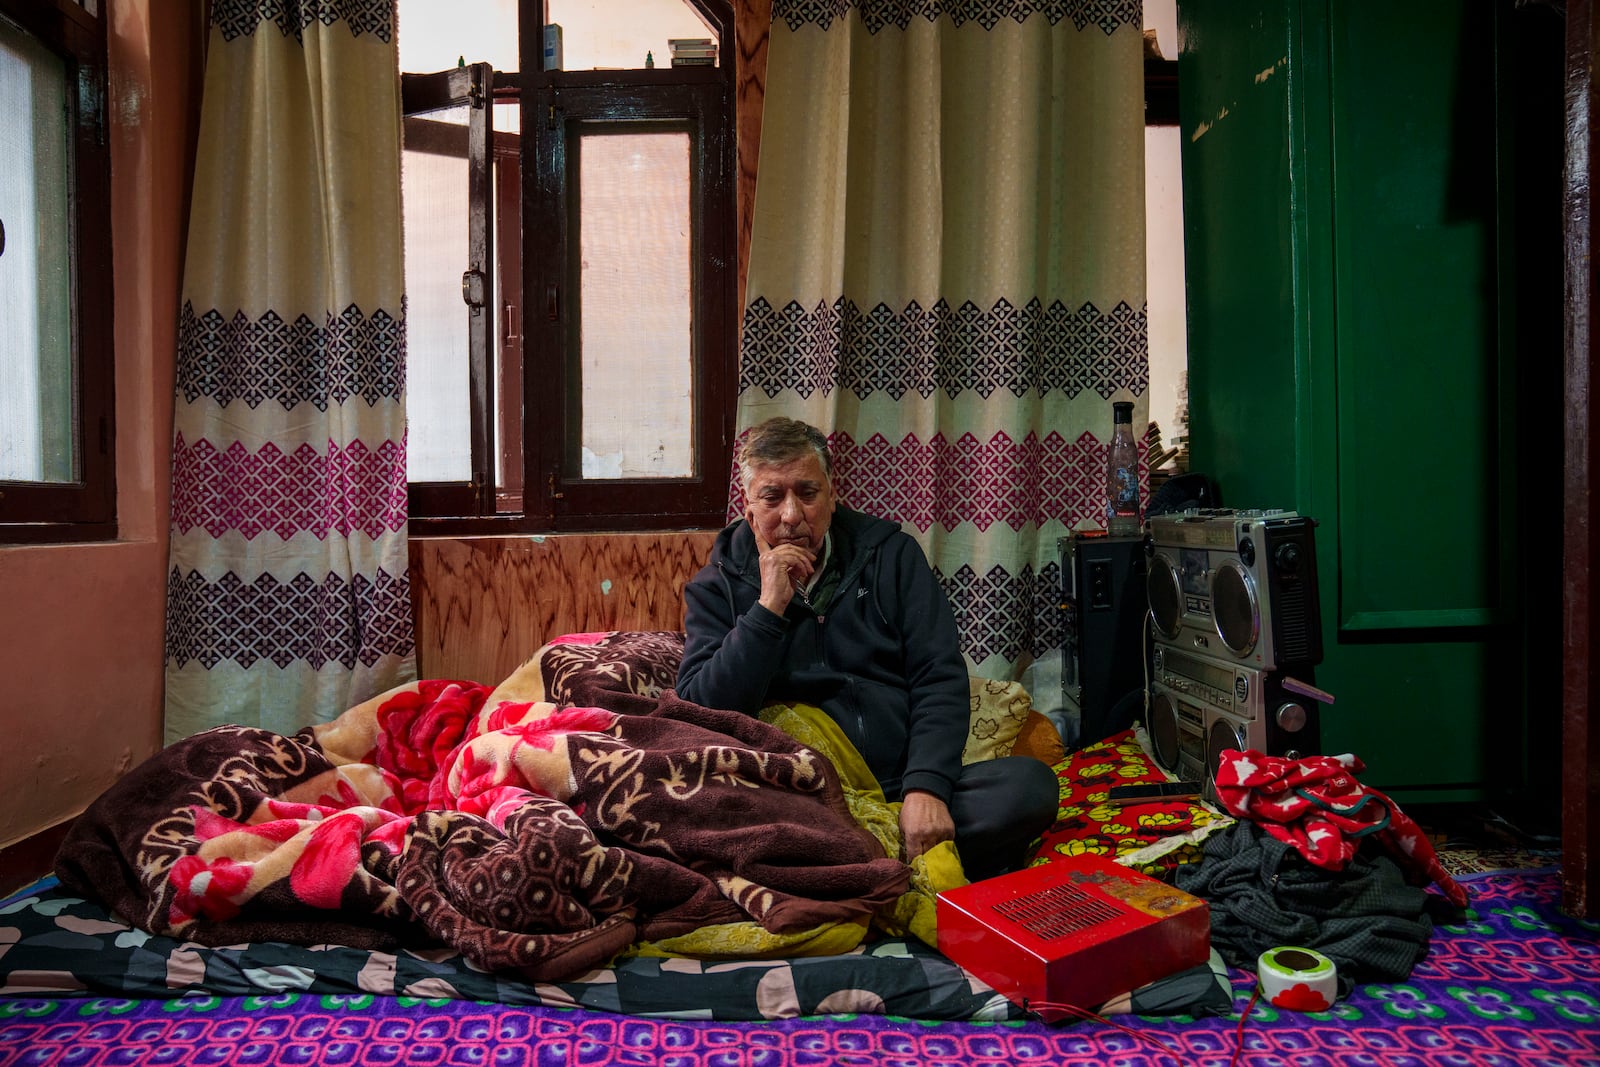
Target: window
[(570, 264), (56, 463)]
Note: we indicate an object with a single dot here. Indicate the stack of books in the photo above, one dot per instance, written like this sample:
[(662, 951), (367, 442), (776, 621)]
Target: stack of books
[(692, 51)]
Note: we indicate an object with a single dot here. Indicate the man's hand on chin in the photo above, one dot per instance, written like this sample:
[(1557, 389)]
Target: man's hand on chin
[(784, 568), (924, 822)]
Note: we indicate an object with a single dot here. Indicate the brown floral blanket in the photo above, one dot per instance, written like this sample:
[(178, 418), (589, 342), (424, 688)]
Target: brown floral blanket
[(534, 839)]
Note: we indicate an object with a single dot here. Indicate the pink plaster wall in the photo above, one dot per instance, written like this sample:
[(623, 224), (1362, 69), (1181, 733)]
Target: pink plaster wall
[(81, 625)]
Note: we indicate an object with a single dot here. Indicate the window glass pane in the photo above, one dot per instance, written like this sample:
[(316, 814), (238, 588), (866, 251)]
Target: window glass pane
[(507, 347), (635, 249), (1164, 290), (436, 36), (433, 171), (506, 117), (1162, 17), (36, 360), (595, 34), (594, 37)]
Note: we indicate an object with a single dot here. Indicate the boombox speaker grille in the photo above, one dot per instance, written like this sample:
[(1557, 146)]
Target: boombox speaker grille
[(1164, 731), (1290, 604), (1223, 734), (1236, 611), (1166, 597)]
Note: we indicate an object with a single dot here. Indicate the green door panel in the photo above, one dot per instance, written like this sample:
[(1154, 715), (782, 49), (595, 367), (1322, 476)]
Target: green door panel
[(1414, 151), (1348, 181)]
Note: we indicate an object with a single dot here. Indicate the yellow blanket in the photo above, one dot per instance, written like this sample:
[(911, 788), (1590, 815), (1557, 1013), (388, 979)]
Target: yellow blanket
[(914, 913)]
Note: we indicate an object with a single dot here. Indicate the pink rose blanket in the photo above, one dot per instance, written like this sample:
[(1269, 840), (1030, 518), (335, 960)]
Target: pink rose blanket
[(535, 840)]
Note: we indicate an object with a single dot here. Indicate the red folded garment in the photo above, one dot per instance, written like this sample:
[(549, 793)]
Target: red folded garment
[(1316, 805)]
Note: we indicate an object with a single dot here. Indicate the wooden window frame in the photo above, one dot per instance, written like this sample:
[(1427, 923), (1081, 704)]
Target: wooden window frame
[(540, 321), (85, 509), (468, 87)]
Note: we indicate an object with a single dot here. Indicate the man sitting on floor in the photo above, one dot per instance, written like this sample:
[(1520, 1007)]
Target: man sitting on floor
[(806, 602)]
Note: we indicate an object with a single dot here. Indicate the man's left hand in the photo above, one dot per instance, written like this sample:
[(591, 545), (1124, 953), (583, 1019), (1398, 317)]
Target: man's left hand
[(924, 822)]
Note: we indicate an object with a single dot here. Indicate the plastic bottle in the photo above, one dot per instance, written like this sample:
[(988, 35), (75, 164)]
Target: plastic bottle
[(1122, 473), (649, 61)]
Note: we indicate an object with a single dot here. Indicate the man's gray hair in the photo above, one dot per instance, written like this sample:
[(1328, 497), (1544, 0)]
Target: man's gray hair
[(781, 440)]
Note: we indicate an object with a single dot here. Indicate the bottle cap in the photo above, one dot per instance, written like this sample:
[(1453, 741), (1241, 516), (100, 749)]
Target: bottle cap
[(1122, 411)]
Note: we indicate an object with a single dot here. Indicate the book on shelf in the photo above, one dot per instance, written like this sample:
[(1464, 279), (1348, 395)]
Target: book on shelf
[(694, 61), (692, 48)]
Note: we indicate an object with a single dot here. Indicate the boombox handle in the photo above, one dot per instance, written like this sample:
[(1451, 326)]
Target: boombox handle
[(1184, 492)]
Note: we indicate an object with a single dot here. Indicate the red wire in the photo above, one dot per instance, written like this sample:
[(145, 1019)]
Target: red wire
[(1072, 1009), (1238, 1036)]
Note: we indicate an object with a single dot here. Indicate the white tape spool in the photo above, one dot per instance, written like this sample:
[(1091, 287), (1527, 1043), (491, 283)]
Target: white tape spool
[(1300, 979)]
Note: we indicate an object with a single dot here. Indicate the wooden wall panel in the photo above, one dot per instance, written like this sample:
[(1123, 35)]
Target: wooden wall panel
[(483, 605)]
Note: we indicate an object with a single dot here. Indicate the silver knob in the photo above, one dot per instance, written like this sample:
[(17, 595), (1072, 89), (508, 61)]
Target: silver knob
[(1291, 716)]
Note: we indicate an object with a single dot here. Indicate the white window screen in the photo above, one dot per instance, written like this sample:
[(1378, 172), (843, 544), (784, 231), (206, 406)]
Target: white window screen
[(438, 382), (596, 34), (602, 34), (37, 417), (436, 36), (637, 400)]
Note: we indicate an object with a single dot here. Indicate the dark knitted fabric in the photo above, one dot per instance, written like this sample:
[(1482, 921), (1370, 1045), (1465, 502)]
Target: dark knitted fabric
[(1264, 894)]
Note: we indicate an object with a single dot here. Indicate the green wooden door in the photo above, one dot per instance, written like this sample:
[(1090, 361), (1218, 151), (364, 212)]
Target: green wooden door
[(1357, 219)]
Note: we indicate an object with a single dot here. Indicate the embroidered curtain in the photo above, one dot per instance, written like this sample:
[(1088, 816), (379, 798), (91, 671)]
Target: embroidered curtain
[(947, 277), (287, 596)]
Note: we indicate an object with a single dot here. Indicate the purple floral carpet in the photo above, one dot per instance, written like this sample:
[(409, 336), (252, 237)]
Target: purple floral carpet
[(1519, 983)]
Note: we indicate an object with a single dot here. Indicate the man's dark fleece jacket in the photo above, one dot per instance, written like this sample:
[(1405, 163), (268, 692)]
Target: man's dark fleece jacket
[(881, 656)]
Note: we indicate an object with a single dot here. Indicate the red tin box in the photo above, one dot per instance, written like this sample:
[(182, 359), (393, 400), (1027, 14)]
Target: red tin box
[(1075, 931)]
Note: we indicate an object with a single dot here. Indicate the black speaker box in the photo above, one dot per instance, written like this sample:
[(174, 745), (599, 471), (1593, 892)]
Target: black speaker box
[(1106, 643)]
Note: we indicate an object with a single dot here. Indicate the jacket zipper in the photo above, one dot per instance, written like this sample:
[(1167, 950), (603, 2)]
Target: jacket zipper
[(861, 718)]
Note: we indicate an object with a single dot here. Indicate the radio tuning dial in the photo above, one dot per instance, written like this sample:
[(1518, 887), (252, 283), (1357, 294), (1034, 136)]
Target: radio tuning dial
[(1292, 717), (1247, 552), (1288, 558)]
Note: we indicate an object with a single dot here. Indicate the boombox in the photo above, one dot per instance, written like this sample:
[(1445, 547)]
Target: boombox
[(1239, 586), (1200, 706)]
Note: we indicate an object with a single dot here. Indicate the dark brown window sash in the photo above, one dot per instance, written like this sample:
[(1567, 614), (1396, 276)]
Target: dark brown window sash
[(85, 509)]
